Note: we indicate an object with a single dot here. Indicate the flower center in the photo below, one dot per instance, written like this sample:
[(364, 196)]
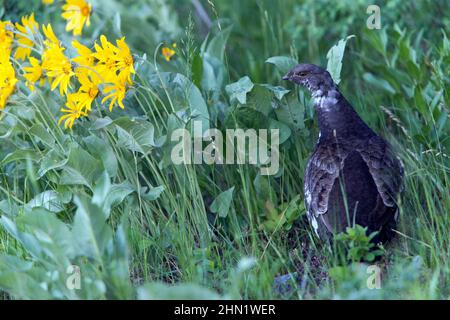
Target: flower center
[(67, 69), (128, 61), (93, 92), (85, 11)]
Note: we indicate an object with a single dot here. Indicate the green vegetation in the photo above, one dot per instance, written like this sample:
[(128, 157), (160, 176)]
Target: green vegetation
[(106, 197)]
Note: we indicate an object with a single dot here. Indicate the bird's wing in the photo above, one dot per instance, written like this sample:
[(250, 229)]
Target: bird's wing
[(321, 172), (386, 169)]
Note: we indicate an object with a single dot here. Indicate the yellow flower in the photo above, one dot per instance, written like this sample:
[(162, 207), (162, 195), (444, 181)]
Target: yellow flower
[(73, 110), (89, 89), (116, 92), (168, 53), (51, 40), (77, 12), (33, 73), (85, 57), (56, 65), (48, 1), (25, 33), (8, 78), (6, 35), (58, 68), (124, 60), (106, 57)]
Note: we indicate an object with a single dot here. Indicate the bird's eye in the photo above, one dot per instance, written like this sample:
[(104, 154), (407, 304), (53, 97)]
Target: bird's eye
[(302, 74)]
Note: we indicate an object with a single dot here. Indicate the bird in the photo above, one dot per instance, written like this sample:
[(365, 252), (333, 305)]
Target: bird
[(353, 175)]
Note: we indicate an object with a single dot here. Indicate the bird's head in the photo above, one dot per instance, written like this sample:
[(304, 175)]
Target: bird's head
[(316, 79)]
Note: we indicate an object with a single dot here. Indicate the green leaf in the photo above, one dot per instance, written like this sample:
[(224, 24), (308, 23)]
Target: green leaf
[(50, 200), (249, 118), (21, 154), (43, 135), (30, 243), (379, 83), (197, 70), (53, 235), (136, 135), (13, 263), (101, 123), (238, 90), (52, 160), (221, 205), (22, 285), (278, 91), (116, 195), (335, 56), (103, 150), (9, 207), (153, 194), (101, 190), (282, 63), (183, 94), (90, 231), (291, 112), (81, 168), (216, 47), (260, 98)]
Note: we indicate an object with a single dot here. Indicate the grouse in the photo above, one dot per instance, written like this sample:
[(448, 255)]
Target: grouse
[(353, 175)]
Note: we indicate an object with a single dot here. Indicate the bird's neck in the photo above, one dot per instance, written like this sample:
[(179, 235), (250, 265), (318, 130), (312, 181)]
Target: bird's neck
[(337, 119)]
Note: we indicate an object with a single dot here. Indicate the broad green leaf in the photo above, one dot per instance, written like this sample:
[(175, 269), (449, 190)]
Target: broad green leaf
[(52, 160), (101, 123), (54, 237), (249, 118), (335, 56), (184, 95), (103, 150), (101, 190), (21, 154), (21, 284), (153, 193), (278, 91), (216, 47), (221, 205), (43, 135), (81, 168), (283, 129), (91, 233), (282, 63), (117, 193), (260, 98), (50, 200), (238, 90), (13, 263), (136, 135), (9, 207), (291, 112), (29, 242)]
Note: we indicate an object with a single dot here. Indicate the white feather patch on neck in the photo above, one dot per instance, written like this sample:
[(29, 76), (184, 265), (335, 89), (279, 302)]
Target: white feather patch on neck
[(325, 101)]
